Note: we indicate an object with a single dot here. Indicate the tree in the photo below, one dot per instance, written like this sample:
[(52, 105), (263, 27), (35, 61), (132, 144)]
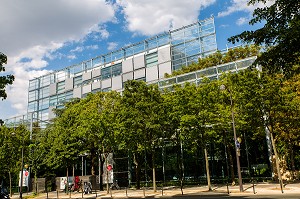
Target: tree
[(280, 34), (4, 80), (141, 119)]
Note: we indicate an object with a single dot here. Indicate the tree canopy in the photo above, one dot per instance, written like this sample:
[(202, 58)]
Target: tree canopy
[(280, 34), (4, 80)]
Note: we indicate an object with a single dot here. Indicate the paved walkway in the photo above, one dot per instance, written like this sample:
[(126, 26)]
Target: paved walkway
[(259, 189)]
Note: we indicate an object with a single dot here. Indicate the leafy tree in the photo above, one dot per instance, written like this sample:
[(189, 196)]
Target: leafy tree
[(280, 34), (4, 80), (141, 119), (12, 142)]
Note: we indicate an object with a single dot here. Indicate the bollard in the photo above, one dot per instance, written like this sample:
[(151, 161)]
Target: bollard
[(110, 192), (162, 190), (47, 193), (227, 187), (82, 194), (144, 192), (253, 186), (57, 193), (126, 192)]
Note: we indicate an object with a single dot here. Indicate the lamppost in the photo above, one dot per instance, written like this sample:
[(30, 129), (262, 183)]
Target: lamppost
[(236, 140)]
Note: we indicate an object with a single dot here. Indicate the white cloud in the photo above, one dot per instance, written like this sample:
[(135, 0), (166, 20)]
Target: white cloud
[(151, 17), (242, 5), (77, 49), (242, 21), (112, 46), (35, 29), (92, 47)]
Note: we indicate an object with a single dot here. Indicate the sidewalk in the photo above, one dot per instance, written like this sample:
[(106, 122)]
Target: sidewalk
[(260, 189)]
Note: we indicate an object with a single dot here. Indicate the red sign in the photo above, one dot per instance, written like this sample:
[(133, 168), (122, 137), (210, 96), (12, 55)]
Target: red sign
[(109, 167), (26, 173)]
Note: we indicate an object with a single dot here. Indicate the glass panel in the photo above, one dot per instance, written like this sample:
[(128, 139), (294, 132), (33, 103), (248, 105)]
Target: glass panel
[(186, 77), (97, 61), (151, 59), (69, 95), (33, 84), (139, 48), (44, 104), (206, 72), (245, 63), (116, 69), (152, 44), (163, 40), (44, 92), (53, 101), (106, 72), (106, 89), (33, 95), (167, 82), (77, 81), (227, 67), (177, 37), (32, 106), (45, 81), (61, 98), (118, 55), (60, 87), (191, 33)]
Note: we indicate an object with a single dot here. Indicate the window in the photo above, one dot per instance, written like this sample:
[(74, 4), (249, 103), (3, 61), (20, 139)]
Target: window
[(77, 81), (116, 69), (33, 95), (151, 59), (60, 87), (106, 72)]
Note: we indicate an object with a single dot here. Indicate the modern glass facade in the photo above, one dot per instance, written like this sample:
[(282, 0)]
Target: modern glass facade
[(148, 61)]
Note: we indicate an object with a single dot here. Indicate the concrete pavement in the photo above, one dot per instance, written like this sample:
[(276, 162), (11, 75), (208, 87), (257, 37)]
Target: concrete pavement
[(261, 189)]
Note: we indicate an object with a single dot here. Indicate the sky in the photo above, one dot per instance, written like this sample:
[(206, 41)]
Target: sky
[(42, 36)]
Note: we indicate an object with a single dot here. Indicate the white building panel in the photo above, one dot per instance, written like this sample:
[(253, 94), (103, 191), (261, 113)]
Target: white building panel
[(96, 85), (127, 76), (139, 62), (52, 89), (86, 76), (116, 83), (139, 73), (69, 84), (127, 65), (164, 54), (77, 92), (164, 68), (96, 73), (86, 89), (106, 83), (51, 113), (151, 74)]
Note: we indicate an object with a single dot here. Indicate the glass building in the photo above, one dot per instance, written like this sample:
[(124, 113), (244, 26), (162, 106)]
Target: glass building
[(147, 60)]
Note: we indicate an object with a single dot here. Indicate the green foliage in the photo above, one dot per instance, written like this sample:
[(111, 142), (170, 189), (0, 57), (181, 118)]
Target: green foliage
[(218, 58), (280, 34), (4, 80)]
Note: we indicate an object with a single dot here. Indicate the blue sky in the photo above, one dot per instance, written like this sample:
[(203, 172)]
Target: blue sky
[(41, 36)]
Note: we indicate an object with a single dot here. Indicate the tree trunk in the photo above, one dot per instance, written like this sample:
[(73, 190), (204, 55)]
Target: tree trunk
[(292, 160), (137, 171), (93, 162), (10, 192), (207, 169), (231, 165), (277, 162), (101, 173), (153, 171)]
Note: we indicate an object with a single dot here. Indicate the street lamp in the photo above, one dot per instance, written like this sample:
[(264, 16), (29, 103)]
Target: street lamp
[(236, 140)]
